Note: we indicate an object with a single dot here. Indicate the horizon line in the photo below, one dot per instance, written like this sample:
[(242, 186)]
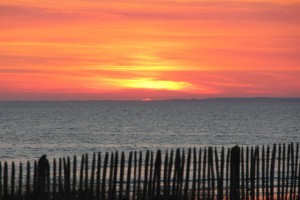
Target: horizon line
[(158, 100)]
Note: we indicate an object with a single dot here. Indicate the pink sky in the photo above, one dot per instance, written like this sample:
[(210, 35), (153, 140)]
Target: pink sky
[(132, 50)]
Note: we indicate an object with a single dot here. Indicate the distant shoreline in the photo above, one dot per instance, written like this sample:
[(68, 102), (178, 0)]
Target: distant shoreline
[(221, 99), (237, 99)]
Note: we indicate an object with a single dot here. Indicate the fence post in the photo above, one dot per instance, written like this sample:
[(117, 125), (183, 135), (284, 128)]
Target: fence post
[(234, 173), (5, 181), (12, 178), (0, 179), (42, 174), (20, 179)]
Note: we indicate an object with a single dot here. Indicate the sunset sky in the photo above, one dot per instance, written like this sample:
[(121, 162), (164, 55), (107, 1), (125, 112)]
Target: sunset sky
[(156, 49)]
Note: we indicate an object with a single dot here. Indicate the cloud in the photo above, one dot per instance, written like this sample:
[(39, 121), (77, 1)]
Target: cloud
[(18, 71), (76, 11), (244, 82)]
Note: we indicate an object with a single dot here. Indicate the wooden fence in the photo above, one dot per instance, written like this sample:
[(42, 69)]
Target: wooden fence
[(205, 173)]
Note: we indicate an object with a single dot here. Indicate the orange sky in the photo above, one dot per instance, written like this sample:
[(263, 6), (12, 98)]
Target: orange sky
[(157, 49)]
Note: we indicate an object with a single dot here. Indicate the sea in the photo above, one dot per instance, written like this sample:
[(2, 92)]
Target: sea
[(66, 128)]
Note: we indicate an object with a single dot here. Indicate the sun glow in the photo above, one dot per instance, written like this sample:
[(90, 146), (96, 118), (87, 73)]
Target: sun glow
[(146, 99), (148, 83)]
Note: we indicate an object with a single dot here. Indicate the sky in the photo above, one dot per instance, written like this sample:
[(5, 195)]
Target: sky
[(149, 49)]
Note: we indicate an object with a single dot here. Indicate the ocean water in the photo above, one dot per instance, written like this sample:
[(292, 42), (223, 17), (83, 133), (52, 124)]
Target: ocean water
[(31, 129)]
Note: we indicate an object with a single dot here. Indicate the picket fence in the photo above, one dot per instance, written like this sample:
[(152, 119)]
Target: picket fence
[(249, 173)]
